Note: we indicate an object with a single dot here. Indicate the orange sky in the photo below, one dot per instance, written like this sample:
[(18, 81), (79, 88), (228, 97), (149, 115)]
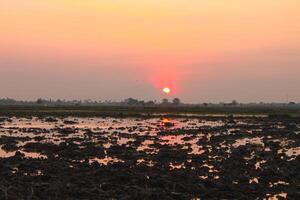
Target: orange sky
[(206, 50)]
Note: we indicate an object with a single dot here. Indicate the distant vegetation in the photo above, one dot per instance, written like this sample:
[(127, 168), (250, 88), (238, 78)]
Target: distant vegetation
[(138, 108), (136, 102)]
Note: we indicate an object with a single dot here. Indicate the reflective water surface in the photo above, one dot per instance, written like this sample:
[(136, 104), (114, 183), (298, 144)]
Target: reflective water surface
[(209, 148)]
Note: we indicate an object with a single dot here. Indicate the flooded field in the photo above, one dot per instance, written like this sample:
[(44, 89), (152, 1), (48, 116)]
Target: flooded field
[(205, 157)]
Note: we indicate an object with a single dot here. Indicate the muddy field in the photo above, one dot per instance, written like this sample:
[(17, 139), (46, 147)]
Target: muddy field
[(150, 158)]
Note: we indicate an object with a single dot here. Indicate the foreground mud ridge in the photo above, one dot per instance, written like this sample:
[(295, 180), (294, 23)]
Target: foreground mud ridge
[(154, 158)]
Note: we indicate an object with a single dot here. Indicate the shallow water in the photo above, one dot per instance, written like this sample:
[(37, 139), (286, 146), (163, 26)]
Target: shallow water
[(213, 149), (119, 131), (123, 131)]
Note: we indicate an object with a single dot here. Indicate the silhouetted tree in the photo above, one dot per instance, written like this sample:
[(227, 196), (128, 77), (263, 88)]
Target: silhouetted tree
[(165, 101), (176, 101), (39, 101), (131, 101), (234, 103), (150, 103)]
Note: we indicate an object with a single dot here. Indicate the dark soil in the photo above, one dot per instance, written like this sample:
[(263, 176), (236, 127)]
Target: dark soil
[(223, 170)]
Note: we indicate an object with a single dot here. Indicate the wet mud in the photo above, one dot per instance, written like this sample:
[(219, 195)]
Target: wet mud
[(153, 158)]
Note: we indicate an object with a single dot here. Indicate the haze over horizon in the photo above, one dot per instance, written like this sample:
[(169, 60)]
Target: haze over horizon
[(205, 51)]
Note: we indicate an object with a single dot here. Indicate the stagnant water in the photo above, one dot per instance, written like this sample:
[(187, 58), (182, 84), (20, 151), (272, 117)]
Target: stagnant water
[(242, 153)]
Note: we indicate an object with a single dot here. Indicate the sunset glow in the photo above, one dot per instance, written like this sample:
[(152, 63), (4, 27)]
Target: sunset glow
[(222, 47), (167, 90), (149, 99)]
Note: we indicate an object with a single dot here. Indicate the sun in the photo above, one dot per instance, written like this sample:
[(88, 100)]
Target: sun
[(166, 90)]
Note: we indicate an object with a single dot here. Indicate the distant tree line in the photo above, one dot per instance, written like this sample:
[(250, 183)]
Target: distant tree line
[(88, 102), (135, 102), (132, 101)]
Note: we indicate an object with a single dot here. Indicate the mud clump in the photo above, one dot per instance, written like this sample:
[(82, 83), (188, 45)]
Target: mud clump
[(70, 122), (50, 119), (168, 124), (66, 131)]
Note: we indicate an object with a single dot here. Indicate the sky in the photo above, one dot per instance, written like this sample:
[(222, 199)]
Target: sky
[(203, 50)]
